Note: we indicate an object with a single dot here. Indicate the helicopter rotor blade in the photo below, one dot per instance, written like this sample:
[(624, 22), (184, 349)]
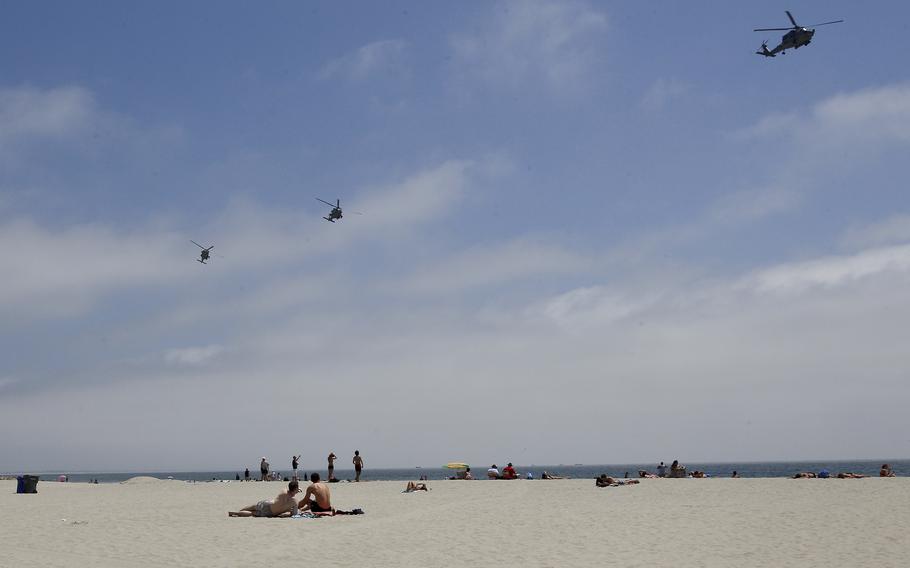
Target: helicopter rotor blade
[(826, 23), (210, 248), (197, 244), (326, 202), (789, 15), (771, 29)]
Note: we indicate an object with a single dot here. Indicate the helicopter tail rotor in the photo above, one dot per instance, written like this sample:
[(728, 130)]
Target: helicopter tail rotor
[(764, 50)]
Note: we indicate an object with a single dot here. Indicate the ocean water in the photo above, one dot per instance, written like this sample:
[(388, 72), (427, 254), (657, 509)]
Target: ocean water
[(745, 469)]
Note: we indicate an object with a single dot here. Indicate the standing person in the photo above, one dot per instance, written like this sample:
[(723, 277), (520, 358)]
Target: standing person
[(358, 465), (264, 470), (332, 458), (246, 474), (295, 461)]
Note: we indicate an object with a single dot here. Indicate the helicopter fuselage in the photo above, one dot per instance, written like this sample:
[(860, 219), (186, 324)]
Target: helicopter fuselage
[(793, 39), (796, 38)]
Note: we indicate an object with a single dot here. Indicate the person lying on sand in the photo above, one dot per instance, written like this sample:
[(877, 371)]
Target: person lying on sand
[(412, 487), (321, 501), (644, 474), (546, 475), (848, 475), (605, 481), (805, 475), (281, 506)]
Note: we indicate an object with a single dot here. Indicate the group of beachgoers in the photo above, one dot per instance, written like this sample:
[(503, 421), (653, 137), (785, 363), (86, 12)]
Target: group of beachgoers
[(316, 501), (885, 471), (493, 472), (266, 473)]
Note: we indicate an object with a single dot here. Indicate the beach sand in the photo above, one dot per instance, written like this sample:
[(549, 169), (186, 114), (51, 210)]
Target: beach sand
[(661, 522)]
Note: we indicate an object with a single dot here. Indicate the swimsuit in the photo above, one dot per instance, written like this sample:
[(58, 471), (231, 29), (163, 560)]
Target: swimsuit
[(316, 508), (264, 509)]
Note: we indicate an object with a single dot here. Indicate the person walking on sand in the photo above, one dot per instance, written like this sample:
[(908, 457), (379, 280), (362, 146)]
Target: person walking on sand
[(358, 465), (295, 461), (264, 470), (321, 501), (332, 458), (283, 505), (246, 474)]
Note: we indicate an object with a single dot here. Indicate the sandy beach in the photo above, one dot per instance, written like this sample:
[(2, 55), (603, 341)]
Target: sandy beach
[(662, 522)]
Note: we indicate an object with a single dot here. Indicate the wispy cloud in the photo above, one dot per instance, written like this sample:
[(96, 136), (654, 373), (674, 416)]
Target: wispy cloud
[(894, 229), (494, 265), (377, 58), (192, 356), (662, 92), (870, 116), (61, 271), (53, 113), (831, 271), (525, 43)]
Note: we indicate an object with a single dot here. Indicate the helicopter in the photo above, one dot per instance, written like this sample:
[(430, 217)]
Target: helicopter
[(335, 213), (796, 37), (204, 254)]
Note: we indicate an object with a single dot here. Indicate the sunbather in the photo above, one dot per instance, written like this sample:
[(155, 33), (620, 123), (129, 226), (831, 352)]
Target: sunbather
[(412, 487), (606, 481), (282, 506)]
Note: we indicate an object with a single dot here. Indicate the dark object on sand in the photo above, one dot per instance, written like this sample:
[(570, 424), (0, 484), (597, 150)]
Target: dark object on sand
[(27, 484)]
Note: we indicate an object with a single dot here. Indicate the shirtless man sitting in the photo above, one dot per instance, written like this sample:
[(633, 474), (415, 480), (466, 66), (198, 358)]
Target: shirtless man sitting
[(322, 497), (282, 506)]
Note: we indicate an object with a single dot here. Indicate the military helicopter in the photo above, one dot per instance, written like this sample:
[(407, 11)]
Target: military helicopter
[(796, 37), (204, 254), (335, 213)]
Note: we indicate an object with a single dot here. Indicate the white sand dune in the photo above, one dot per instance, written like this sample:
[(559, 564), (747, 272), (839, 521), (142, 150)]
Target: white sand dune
[(709, 522)]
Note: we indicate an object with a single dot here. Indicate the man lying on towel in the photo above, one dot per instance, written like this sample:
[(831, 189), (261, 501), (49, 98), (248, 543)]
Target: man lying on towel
[(321, 501), (282, 506)]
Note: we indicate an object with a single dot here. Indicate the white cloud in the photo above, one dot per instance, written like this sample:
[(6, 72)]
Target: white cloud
[(533, 42), (56, 272), (420, 198), (872, 116), (192, 356), (750, 205), (714, 349), (494, 265), (662, 92), (831, 271), (895, 229), (53, 113), (378, 57)]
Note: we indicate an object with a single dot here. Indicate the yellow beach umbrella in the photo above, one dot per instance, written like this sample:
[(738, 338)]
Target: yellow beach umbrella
[(456, 465)]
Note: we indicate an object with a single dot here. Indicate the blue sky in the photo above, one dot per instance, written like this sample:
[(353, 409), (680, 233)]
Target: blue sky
[(578, 218)]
